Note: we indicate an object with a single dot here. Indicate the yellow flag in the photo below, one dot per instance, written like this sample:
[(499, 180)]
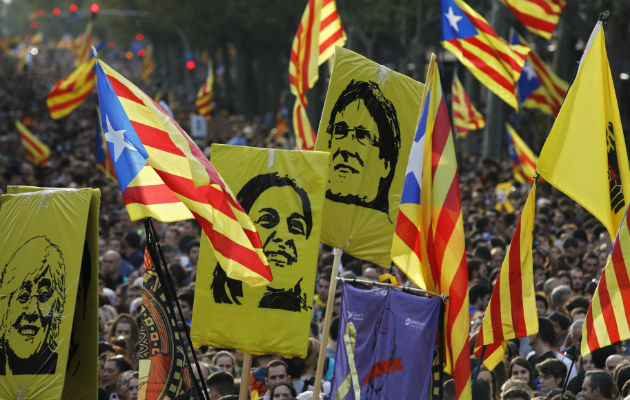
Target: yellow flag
[(368, 124), (585, 153), (48, 293), (283, 192)]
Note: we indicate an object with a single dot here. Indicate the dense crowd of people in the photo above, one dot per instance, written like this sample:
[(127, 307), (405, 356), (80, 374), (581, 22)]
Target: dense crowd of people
[(570, 250)]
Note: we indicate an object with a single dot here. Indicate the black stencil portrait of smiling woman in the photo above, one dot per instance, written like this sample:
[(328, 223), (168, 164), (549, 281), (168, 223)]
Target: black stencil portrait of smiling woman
[(283, 193)]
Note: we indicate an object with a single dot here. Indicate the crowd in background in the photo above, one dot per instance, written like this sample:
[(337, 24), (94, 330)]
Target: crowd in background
[(570, 250)]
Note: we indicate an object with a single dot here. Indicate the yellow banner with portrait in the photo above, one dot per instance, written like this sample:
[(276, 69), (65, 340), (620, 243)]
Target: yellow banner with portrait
[(48, 293), (368, 124), (283, 193)]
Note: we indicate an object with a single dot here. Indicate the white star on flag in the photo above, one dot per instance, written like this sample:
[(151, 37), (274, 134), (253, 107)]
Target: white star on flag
[(453, 19), (117, 138), (529, 71)]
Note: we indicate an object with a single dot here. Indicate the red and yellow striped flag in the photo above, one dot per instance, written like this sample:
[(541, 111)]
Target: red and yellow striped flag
[(608, 317), (84, 47), (523, 158), (37, 153), (465, 115), (204, 95), (539, 16), (319, 32), (163, 174), (429, 244), (69, 93), (489, 57), (511, 312)]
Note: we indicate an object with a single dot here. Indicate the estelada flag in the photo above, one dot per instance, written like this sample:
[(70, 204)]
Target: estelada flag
[(283, 192), (368, 124), (584, 155), (48, 293), (69, 92), (385, 345), (163, 369)]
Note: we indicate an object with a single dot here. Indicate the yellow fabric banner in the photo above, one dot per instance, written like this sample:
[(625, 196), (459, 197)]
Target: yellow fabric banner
[(283, 192), (584, 155), (48, 293), (368, 124)]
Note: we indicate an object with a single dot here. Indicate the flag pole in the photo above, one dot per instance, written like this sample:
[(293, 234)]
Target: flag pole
[(329, 307), (474, 380), (165, 280), (247, 365)]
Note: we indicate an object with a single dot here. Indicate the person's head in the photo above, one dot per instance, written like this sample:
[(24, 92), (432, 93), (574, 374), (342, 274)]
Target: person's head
[(282, 390), (612, 361), (283, 226), (521, 370), (551, 374), (364, 140), (590, 264), (323, 284), (192, 251), (132, 386), (124, 325), (577, 279), (186, 298), (277, 371), (111, 263), (597, 385), (539, 273), (220, 383), (113, 367), (515, 394), (570, 248), (33, 286), (550, 284), (224, 360), (559, 297), (542, 305), (561, 325), (172, 236), (546, 335), (479, 295)]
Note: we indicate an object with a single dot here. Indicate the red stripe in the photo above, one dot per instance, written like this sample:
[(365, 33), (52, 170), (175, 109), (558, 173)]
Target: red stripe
[(328, 20), (332, 39), (70, 103), (492, 51), (531, 21), (516, 284), (36, 147), (156, 138), (621, 272), (446, 222), (122, 90), (232, 250), (441, 132), (149, 195), (482, 25), (57, 91), (591, 336), (495, 312), (607, 310), (408, 233), (203, 103), (483, 67), (541, 69), (307, 45)]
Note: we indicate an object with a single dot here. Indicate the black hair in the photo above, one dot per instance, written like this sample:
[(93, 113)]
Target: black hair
[(545, 330), (257, 185)]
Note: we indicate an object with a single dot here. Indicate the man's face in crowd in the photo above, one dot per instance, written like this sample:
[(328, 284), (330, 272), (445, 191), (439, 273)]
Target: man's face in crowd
[(322, 289), (193, 255), (282, 392), (577, 279), (587, 390), (539, 275), (571, 252), (282, 228), (548, 382), (541, 307), (354, 145), (110, 263), (30, 315), (123, 329), (590, 266), (276, 374)]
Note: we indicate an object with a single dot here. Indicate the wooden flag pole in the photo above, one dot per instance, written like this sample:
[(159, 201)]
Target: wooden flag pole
[(329, 307), (247, 366)]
